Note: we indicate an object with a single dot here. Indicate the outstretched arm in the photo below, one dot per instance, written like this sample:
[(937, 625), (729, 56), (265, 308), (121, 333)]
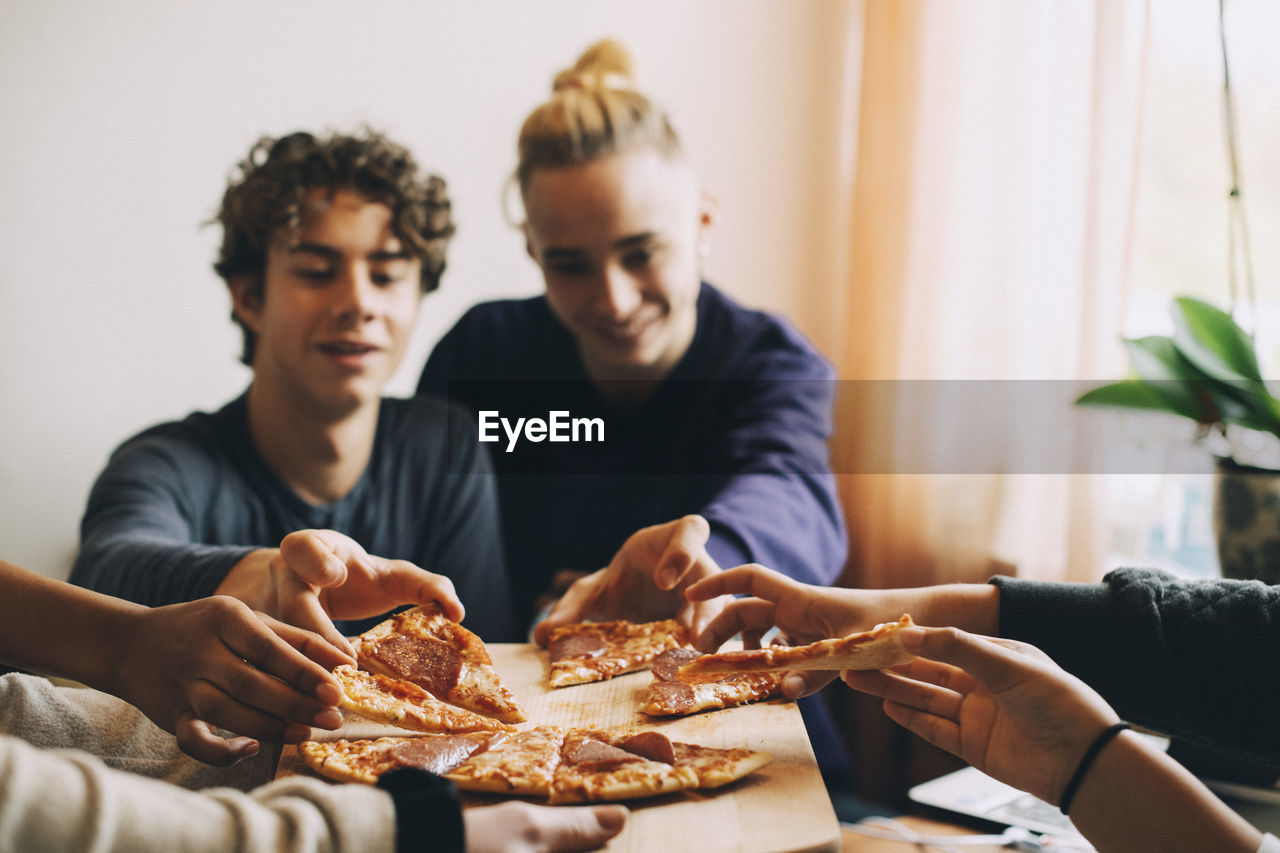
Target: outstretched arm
[(103, 809), (805, 613), (189, 667), (1008, 710)]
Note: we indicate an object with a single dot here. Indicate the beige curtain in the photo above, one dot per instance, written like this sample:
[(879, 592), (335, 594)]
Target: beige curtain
[(988, 240)]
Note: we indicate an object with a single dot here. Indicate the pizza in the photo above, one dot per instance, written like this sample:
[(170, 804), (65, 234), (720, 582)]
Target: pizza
[(550, 762), (669, 696), (593, 769), (366, 760), (402, 703), (875, 649), (420, 645), (524, 764), (593, 651)]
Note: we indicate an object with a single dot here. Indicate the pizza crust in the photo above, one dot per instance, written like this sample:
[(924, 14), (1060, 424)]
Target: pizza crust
[(878, 648)]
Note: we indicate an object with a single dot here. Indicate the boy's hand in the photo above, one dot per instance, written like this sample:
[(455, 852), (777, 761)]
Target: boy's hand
[(316, 576), (214, 663), (645, 581)]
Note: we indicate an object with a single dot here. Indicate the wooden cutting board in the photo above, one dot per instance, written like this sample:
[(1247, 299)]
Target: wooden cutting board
[(782, 808)]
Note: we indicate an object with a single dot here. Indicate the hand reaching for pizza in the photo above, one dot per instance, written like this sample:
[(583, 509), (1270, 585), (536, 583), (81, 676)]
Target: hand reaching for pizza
[(517, 827), (316, 576), (211, 663), (803, 612), (645, 581), (807, 613), (1001, 705)]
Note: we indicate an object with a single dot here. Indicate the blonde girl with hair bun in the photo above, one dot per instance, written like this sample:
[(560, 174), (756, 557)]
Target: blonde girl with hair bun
[(716, 417)]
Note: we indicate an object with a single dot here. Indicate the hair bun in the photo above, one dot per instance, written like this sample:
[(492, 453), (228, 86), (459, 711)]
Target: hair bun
[(604, 65)]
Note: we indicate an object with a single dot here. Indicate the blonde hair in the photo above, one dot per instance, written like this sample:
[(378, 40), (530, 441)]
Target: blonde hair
[(594, 111)]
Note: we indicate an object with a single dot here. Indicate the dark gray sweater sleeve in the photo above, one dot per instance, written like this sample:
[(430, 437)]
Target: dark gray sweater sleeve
[(138, 537), (1194, 659)]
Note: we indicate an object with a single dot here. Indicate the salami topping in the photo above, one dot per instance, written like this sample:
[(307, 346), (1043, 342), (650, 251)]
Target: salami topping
[(425, 661), (654, 746), (577, 646), (438, 755), (666, 664), (593, 755), (675, 697)]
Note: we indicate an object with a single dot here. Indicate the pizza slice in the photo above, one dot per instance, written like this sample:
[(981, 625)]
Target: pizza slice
[(594, 651), (404, 704), (549, 762), (594, 769), (668, 696), (366, 760), (714, 766), (523, 764), (422, 646), (702, 766), (875, 649)]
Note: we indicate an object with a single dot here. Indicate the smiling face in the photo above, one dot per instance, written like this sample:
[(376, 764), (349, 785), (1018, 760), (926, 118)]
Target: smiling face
[(616, 238), (337, 307)]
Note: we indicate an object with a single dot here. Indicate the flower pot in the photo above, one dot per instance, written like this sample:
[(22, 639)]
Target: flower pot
[(1246, 521)]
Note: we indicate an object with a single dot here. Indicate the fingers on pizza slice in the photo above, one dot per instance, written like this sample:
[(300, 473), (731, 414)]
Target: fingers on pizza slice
[(367, 760), (668, 696), (595, 651), (422, 646), (878, 648), (388, 700)]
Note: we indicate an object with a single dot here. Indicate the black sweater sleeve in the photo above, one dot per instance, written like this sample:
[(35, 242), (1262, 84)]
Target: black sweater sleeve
[(1194, 659), (428, 813)]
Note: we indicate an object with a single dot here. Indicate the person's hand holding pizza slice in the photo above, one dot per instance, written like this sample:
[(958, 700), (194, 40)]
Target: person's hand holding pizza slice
[(776, 601), (832, 629), (211, 664)]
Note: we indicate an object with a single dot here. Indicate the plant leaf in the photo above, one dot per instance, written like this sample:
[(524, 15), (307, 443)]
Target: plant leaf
[(1166, 372), (1213, 342), (1139, 394)]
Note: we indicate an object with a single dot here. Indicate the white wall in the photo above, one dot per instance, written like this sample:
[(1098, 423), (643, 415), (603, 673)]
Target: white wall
[(121, 121)]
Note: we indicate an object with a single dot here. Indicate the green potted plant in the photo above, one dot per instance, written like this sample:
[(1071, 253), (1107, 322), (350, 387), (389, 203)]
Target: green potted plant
[(1208, 371)]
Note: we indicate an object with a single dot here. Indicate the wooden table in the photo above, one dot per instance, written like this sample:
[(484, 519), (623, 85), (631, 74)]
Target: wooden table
[(782, 808)]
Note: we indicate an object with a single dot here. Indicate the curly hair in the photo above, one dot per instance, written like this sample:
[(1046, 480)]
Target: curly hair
[(265, 196), (594, 111)]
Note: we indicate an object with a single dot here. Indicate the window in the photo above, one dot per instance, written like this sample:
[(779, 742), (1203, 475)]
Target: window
[(1181, 236)]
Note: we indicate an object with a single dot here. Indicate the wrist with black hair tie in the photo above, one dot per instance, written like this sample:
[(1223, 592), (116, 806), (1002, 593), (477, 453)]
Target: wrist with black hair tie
[(1103, 738)]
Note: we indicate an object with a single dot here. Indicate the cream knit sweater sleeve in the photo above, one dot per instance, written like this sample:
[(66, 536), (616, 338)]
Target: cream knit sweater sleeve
[(67, 800)]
